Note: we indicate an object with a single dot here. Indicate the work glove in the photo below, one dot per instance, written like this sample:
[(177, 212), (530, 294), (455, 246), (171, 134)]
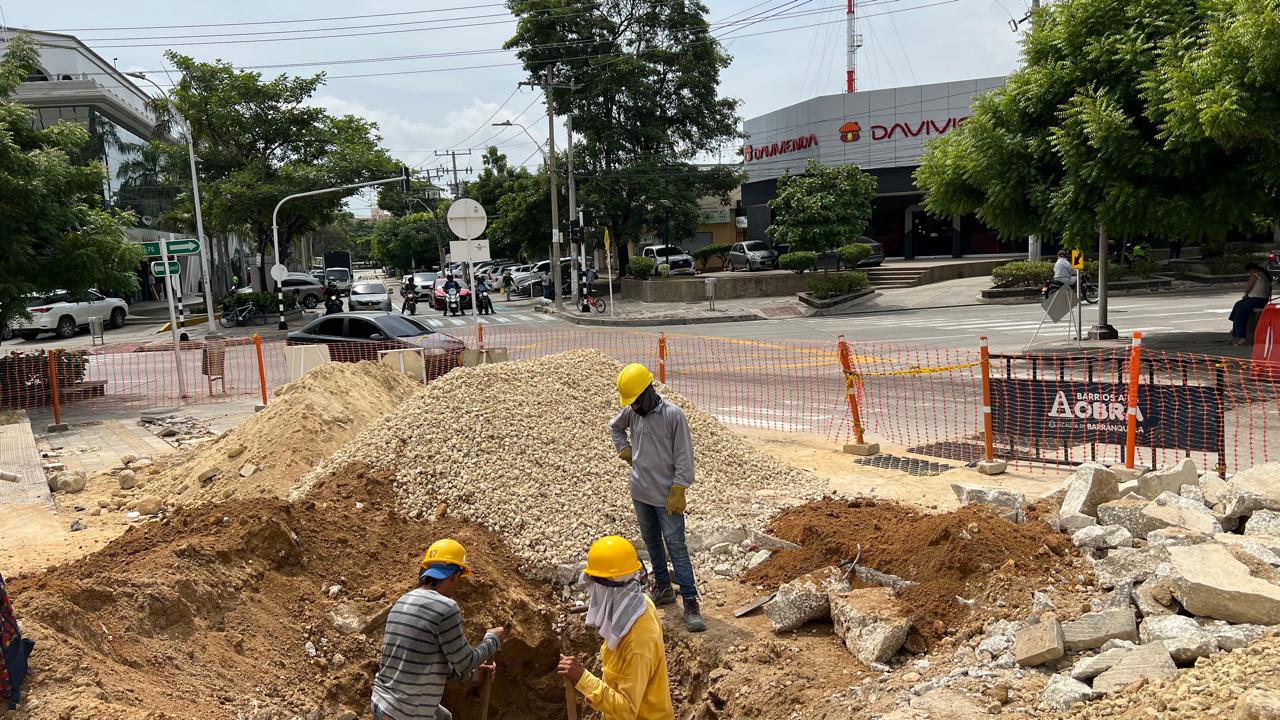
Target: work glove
[(675, 500), (625, 454)]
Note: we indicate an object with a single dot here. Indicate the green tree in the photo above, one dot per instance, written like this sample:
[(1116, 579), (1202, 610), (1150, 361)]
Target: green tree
[(406, 243), (259, 141), (149, 183), (1117, 122), (54, 232), (522, 226), (643, 114), (345, 233), (824, 208)]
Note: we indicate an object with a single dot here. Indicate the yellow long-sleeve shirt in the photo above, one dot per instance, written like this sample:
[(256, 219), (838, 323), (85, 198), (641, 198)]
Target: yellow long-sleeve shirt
[(635, 684)]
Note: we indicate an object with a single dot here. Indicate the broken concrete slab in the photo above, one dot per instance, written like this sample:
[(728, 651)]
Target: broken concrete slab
[(1089, 668), (1172, 510), (1126, 512), (1089, 486), (1192, 492), (1061, 693), (1209, 582), (1176, 536), (1008, 500), (1155, 598), (1270, 542), (872, 622), (1257, 488), (1038, 644), (1094, 629), (1182, 637), (1129, 565), (1102, 537), (1263, 522), (1147, 661), (805, 599), (1213, 487), (1075, 521), (1233, 637), (1170, 479), (1257, 705), (1245, 551)]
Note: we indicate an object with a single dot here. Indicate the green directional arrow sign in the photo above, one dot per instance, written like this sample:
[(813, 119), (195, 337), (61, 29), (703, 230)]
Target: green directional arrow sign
[(158, 268), (180, 246)]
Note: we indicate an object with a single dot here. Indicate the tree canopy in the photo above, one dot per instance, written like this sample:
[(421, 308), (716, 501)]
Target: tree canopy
[(408, 242), (1146, 116), (54, 232), (645, 103), (259, 141), (825, 207)]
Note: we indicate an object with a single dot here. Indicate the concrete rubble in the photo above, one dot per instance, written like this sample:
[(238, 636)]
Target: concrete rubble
[(871, 622), (1257, 488), (1184, 638), (1170, 479), (1172, 510), (1129, 565), (1062, 692), (1088, 487), (1038, 644), (1093, 630), (1102, 537), (1010, 503), (1263, 522), (1208, 581), (1125, 512), (1150, 661), (805, 599)]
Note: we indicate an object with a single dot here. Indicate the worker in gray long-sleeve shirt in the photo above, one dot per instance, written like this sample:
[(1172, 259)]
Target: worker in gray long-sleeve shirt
[(424, 644), (660, 452)]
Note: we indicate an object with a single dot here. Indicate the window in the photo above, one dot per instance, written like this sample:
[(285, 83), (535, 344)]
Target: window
[(361, 329), (755, 246), (295, 282), (330, 326), (369, 289), (401, 326)]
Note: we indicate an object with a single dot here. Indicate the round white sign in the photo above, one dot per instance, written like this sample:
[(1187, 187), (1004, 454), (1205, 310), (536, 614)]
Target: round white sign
[(279, 272), (467, 219)]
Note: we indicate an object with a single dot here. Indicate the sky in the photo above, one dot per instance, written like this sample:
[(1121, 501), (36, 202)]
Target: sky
[(784, 51)]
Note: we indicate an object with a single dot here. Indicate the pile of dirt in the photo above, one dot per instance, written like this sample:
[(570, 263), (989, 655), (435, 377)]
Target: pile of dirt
[(524, 448), (306, 421), (229, 611), (972, 554)]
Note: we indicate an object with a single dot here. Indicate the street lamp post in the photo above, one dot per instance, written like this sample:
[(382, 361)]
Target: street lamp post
[(195, 198)]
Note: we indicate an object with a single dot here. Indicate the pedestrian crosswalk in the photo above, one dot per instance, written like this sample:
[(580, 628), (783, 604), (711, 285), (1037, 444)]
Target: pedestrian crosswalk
[(498, 318)]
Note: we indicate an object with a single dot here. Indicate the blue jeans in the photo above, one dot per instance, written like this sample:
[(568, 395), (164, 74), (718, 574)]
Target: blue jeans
[(1241, 312), (663, 535)]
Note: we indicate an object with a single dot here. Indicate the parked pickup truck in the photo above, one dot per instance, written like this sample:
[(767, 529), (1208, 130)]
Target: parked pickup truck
[(681, 262)]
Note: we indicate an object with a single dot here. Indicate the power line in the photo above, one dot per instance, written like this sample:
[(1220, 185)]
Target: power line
[(490, 118), (281, 22)]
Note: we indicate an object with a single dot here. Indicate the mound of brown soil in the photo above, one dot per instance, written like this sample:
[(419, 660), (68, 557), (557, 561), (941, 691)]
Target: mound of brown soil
[(306, 421), (216, 611), (966, 553)]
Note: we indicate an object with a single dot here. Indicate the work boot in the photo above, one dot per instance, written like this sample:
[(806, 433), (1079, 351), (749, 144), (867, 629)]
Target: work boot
[(693, 621), (662, 596)]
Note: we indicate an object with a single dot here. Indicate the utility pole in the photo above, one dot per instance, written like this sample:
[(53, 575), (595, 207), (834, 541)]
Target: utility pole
[(453, 155), (1033, 241), (575, 232), (555, 195)]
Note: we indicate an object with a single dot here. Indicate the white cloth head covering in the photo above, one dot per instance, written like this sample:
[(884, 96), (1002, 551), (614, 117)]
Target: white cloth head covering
[(613, 610)]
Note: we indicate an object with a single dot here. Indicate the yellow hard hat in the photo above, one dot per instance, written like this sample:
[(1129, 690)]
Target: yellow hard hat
[(632, 381), (611, 557), (447, 552)]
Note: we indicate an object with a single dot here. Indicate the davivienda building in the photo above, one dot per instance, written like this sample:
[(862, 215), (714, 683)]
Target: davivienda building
[(884, 133)]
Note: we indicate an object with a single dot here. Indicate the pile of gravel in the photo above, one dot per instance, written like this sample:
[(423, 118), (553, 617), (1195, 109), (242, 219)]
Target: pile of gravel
[(523, 448)]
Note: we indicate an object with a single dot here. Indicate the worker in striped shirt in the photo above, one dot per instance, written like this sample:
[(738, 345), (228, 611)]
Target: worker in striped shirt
[(424, 644)]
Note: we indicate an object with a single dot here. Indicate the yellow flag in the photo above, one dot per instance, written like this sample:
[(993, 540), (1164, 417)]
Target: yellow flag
[(606, 239)]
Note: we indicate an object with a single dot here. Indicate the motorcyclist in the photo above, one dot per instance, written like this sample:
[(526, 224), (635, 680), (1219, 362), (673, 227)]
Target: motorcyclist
[(1063, 275), (410, 294), (332, 299), (481, 288), (452, 284)]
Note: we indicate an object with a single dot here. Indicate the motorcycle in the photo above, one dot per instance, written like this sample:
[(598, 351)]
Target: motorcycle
[(484, 305), (410, 303), (452, 303), (1088, 288), (332, 303)]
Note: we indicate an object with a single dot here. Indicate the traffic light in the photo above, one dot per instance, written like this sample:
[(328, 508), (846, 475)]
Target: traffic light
[(404, 179), (575, 232)]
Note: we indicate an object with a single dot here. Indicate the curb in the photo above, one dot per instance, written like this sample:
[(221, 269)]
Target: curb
[(653, 322)]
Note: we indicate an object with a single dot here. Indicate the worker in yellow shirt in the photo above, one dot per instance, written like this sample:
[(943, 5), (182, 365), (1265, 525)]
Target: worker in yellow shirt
[(635, 684)]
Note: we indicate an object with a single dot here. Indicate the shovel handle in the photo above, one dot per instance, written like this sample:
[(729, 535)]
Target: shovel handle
[(485, 689), (570, 700)]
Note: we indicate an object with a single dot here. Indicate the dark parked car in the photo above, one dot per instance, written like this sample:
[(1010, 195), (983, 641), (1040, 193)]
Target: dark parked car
[(353, 337), (830, 260), (437, 294)]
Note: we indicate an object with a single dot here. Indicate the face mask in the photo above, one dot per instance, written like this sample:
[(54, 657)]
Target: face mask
[(647, 401)]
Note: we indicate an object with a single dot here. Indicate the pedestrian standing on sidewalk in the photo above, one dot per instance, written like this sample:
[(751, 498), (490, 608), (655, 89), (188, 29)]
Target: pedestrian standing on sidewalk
[(1257, 293), (660, 452)]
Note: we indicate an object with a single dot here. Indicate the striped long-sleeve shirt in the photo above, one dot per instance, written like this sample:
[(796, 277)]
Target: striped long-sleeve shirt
[(423, 646)]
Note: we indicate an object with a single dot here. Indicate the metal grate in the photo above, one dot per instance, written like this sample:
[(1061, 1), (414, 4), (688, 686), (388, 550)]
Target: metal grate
[(910, 466)]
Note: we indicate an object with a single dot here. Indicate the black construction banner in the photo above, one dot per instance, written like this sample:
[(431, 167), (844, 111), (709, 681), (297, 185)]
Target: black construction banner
[(1170, 416)]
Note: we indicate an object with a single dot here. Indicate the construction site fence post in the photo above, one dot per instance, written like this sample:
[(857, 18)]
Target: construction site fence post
[(851, 390), (987, 439), (662, 358), (262, 368), (1135, 371), (479, 337), (53, 387)]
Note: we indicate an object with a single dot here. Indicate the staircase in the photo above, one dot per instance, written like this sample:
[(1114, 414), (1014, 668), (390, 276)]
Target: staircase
[(896, 277)]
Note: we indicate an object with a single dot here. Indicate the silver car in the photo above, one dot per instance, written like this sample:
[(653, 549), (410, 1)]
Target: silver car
[(370, 296), (752, 255)]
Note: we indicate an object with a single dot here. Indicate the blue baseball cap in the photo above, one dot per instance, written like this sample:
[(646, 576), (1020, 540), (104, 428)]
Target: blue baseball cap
[(443, 571)]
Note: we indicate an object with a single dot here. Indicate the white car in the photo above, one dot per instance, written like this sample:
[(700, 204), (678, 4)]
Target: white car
[(62, 313), (680, 261)]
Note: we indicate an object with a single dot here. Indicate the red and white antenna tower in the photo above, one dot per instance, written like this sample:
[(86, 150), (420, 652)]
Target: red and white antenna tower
[(855, 42)]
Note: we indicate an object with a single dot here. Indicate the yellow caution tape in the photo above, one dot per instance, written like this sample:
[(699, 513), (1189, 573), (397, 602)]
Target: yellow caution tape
[(914, 371)]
